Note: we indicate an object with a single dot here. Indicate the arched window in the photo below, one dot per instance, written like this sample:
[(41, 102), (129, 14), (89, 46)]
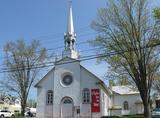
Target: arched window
[(49, 97), (67, 101), (126, 106), (86, 95)]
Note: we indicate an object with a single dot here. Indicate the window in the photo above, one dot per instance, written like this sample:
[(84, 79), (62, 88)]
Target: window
[(67, 80), (67, 101), (126, 107), (86, 96), (50, 97)]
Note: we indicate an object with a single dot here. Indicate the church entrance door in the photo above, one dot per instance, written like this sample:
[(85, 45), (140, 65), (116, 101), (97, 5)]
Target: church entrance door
[(67, 108)]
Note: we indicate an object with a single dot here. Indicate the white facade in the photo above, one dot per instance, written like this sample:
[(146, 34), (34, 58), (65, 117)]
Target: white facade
[(11, 105), (112, 100), (82, 79), (65, 92), (71, 91), (125, 101)]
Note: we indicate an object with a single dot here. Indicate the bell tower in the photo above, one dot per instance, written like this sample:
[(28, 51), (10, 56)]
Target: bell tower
[(70, 37)]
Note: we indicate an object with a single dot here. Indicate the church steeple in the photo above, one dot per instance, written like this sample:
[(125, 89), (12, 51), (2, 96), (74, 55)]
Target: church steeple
[(70, 26), (70, 37)]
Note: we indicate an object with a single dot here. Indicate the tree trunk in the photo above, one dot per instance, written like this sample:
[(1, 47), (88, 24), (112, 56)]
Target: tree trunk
[(22, 110), (23, 107), (146, 103), (147, 111)]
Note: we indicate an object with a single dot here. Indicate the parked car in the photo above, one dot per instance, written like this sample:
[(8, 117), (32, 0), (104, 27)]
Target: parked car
[(156, 113), (30, 114), (6, 114)]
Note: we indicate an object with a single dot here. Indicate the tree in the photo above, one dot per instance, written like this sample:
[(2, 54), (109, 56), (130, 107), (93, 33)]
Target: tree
[(117, 79), (31, 103), (22, 66), (128, 39), (156, 82), (157, 13)]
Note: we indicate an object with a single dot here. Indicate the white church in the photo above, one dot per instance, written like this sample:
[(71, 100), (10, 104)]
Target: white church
[(69, 90)]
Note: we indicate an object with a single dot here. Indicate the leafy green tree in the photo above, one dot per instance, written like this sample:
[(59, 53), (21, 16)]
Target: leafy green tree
[(117, 79), (157, 13), (22, 64), (128, 40)]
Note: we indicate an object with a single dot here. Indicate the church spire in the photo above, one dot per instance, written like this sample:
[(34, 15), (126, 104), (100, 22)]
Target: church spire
[(70, 37), (70, 27)]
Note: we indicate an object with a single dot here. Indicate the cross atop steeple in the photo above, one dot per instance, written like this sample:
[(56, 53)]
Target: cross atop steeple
[(70, 37)]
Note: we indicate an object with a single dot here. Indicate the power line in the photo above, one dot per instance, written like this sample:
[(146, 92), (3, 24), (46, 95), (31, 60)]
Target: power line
[(84, 58), (56, 35), (52, 63), (60, 47), (82, 29), (60, 55), (56, 48), (60, 39)]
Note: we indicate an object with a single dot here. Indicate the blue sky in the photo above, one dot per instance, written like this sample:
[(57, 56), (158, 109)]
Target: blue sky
[(30, 19), (46, 20)]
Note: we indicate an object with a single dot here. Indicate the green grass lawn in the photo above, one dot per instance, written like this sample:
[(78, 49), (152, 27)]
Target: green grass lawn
[(18, 116), (134, 116), (131, 116)]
